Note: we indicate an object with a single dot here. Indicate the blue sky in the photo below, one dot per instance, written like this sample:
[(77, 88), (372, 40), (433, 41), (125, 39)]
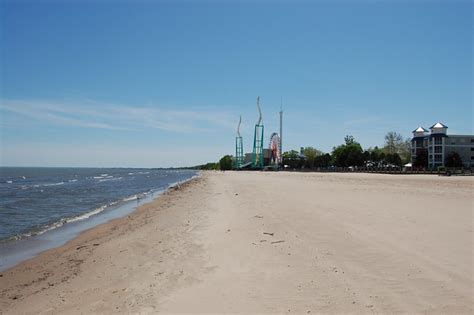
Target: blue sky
[(162, 83)]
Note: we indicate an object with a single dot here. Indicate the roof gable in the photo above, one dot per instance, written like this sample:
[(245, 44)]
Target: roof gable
[(438, 125), (420, 129)]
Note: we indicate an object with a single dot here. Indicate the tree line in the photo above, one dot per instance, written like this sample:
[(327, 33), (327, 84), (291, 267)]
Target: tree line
[(394, 153)]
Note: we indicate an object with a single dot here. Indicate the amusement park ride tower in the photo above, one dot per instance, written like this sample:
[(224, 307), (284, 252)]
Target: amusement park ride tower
[(257, 161), (239, 148), (281, 135)]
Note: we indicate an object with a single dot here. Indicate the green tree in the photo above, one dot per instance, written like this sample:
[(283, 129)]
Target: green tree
[(348, 154), (338, 156), (405, 151), (376, 154), (394, 159), (225, 163), (421, 160), (453, 160), (292, 159), (366, 156), (311, 153), (209, 166), (355, 156), (349, 140), (394, 143), (322, 160), (382, 158)]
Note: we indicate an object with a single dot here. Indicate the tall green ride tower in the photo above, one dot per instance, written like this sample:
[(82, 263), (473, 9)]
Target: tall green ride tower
[(239, 148), (257, 161)]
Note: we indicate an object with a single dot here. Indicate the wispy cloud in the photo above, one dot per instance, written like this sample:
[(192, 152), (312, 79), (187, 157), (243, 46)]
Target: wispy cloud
[(92, 114), (56, 114)]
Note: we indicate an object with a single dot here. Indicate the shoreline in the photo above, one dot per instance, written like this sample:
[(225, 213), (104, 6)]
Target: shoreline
[(266, 243), (15, 251), (46, 270)]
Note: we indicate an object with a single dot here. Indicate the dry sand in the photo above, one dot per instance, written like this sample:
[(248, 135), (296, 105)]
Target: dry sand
[(255, 242)]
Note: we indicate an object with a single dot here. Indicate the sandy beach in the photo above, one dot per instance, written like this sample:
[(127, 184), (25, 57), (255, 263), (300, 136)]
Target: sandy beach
[(255, 242)]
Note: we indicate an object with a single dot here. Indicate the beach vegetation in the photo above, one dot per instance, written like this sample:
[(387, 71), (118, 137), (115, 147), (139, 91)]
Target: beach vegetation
[(208, 166), (225, 163)]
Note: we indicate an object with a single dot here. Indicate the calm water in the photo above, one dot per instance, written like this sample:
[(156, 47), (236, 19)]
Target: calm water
[(36, 200)]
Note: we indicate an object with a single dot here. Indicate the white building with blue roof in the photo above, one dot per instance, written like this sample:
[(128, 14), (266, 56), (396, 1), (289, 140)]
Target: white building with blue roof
[(437, 144)]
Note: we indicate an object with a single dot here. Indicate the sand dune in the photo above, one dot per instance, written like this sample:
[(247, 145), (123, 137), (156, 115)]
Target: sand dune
[(254, 242)]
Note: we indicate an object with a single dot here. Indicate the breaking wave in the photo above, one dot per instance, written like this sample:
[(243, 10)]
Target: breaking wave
[(80, 217), (48, 184)]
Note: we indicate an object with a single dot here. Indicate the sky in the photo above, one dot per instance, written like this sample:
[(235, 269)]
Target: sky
[(162, 83)]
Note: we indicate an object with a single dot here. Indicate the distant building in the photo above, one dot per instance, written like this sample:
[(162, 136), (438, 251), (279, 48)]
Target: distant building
[(437, 145), (266, 157)]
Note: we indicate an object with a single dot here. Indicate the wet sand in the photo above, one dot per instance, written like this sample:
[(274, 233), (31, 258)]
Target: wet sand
[(254, 242)]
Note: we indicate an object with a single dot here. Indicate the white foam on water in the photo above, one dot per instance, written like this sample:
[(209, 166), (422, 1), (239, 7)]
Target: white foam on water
[(109, 179), (48, 184), (63, 221), (134, 197), (103, 176), (183, 181), (95, 211), (54, 184), (87, 215), (81, 217)]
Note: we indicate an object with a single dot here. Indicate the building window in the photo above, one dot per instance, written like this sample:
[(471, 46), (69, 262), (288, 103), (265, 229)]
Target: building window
[(472, 149), (438, 149), (472, 140), (438, 140), (472, 157), (438, 158)]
